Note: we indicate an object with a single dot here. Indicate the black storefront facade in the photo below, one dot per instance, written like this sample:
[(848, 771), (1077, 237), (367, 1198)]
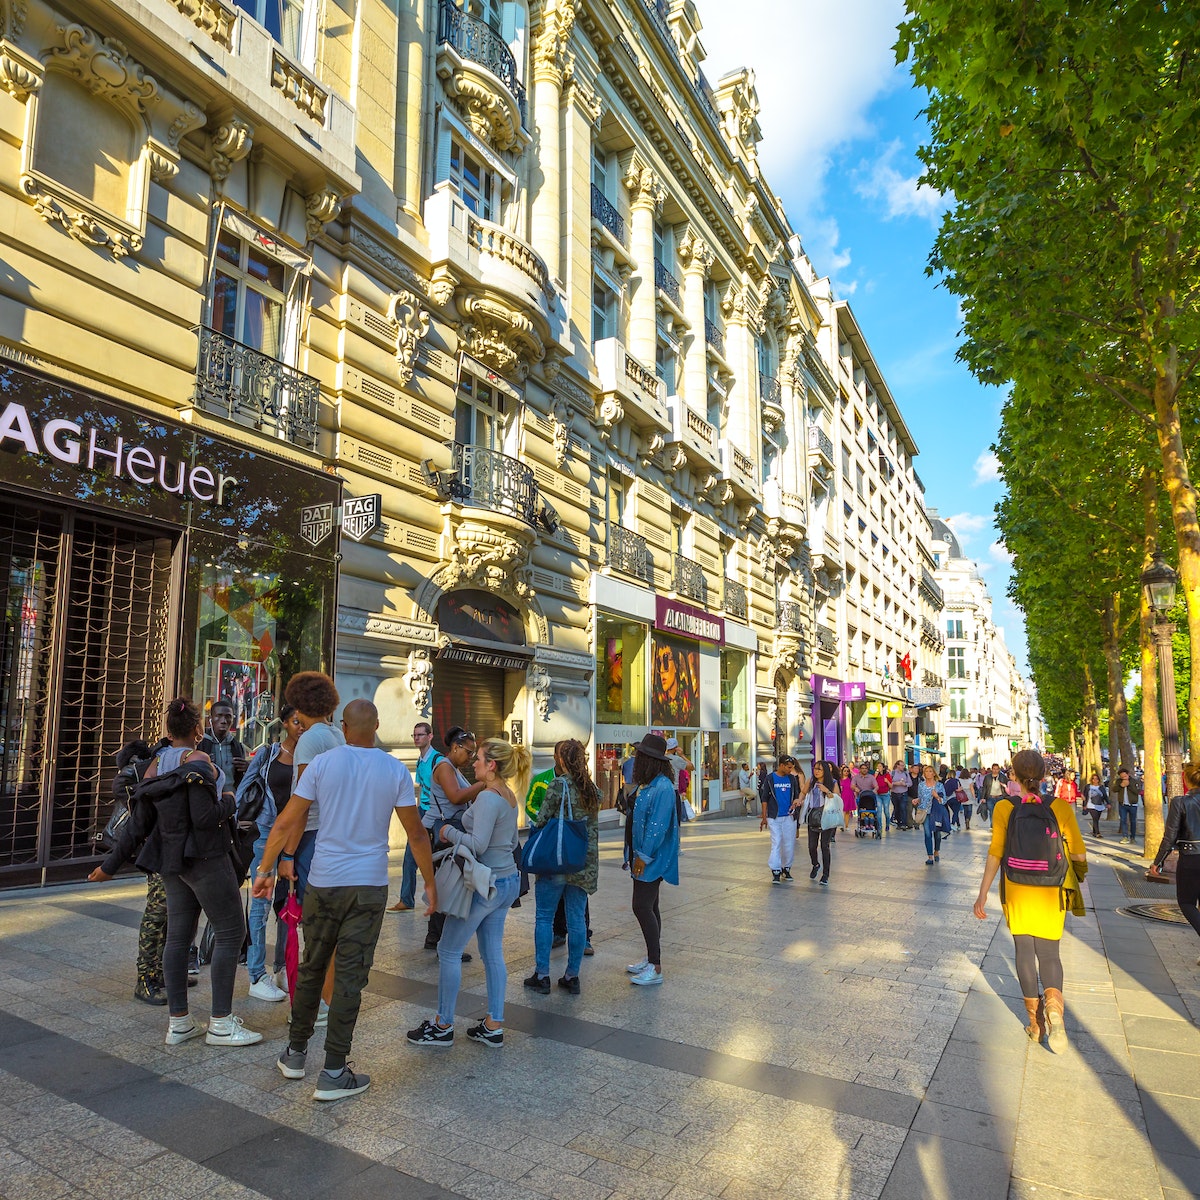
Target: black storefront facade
[(139, 559)]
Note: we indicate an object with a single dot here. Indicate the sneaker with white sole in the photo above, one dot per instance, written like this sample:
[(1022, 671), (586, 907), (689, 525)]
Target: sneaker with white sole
[(229, 1031), (647, 977), (340, 1085), (177, 1035), (638, 967), (263, 988), (291, 1062), (486, 1037), (430, 1033)]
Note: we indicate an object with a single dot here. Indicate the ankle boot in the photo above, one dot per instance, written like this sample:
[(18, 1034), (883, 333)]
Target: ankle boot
[(1036, 1029), (1056, 1030)]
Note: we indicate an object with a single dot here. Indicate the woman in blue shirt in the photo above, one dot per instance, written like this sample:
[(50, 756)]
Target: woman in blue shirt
[(931, 796), (655, 850)]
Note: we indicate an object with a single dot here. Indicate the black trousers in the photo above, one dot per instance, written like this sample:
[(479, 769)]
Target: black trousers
[(645, 909), (1187, 888), (821, 837), (900, 813)]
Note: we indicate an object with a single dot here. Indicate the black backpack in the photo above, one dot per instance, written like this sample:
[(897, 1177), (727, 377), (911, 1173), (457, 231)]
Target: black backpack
[(1034, 851), (132, 762)]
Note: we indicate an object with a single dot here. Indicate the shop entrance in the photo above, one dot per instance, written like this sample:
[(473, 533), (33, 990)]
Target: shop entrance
[(85, 648), (468, 695)]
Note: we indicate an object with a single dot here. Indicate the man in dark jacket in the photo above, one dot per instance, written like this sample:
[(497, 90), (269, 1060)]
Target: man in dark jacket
[(1126, 795), (221, 745)]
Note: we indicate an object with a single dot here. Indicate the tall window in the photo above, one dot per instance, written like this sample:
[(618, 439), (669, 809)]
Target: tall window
[(482, 413), (766, 366), (616, 498), (285, 21), (958, 704), (474, 182), (666, 364), (954, 629), (604, 311), (600, 170), (249, 294), (956, 662)]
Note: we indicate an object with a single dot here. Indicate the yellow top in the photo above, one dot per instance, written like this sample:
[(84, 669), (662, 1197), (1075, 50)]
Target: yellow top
[(1039, 911)]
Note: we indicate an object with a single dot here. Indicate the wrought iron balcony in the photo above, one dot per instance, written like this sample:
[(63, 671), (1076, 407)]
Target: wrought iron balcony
[(690, 580), (606, 213), (251, 388), (659, 10), (629, 552), (478, 42), (931, 587), (735, 603), (787, 617), (826, 640), (821, 443), (930, 632), (769, 390), (714, 335), (483, 478), (666, 282), (704, 95)]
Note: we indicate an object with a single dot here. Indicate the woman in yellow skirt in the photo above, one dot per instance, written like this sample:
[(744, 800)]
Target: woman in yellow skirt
[(1035, 915)]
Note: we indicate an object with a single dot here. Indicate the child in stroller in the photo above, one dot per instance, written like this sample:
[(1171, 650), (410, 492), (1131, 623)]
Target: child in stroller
[(868, 818)]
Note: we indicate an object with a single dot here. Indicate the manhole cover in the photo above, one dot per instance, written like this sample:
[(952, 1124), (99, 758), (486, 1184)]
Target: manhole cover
[(1155, 912)]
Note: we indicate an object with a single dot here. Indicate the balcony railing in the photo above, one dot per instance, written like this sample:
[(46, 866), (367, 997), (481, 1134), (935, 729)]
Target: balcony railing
[(479, 43), (689, 579), (606, 213), (667, 282), (251, 388), (931, 632), (658, 10), (703, 94), (787, 617), (483, 478), (821, 442), (931, 586), (629, 552), (769, 390), (735, 599), (714, 335)]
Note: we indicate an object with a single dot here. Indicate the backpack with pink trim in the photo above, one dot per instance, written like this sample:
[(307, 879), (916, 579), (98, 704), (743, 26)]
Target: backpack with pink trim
[(1034, 851)]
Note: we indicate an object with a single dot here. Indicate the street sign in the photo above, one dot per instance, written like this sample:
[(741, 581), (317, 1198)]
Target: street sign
[(316, 523), (361, 516)]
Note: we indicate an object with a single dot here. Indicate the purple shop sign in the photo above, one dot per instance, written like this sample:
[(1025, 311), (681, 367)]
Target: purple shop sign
[(835, 691), (686, 621)]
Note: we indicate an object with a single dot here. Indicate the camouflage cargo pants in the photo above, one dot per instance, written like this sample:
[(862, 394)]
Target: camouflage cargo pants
[(152, 933), (342, 924)]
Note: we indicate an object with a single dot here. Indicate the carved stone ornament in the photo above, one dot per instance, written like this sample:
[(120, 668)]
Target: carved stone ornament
[(772, 712), (20, 75), (231, 143), (212, 16), (539, 682), (419, 680), (789, 656), (319, 209), (412, 324), (83, 226), (164, 163), (694, 252), (442, 287), (610, 414), (552, 59), (488, 556), (105, 67), (651, 447), (500, 336), (645, 188), (585, 97), (562, 432)]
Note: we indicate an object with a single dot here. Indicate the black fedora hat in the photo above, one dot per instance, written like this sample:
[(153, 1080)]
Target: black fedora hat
[(653, 746)]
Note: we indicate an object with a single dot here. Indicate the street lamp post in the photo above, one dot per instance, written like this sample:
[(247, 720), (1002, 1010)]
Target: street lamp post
[(1160, 582)]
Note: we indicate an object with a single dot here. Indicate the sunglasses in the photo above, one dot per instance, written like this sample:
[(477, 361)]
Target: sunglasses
[(462, 737)]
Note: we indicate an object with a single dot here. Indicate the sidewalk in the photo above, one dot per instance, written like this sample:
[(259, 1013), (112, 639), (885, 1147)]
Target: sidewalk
[(861, 1040)]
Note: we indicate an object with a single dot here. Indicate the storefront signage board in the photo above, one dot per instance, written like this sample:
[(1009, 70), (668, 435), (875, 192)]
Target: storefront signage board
[(361, 516), (682, 620)]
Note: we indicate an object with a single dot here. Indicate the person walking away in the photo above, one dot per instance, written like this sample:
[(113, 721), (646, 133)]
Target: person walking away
[(931, 798), (1096, 802), (654, 851), (849, 800), (268, 783), (745, 779), (1128, 796), (778, 799), (1029, 833), (821, 791), (450, 792), (571, 793), (180, 830), (357, 786), (966, 788), (1182, 833), (489, 832), (427, 759)]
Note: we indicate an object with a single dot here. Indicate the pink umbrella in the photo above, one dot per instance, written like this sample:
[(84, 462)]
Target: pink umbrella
[(290, 914)]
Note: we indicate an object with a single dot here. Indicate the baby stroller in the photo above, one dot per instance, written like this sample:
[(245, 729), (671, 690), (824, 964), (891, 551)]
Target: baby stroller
[(868, 818)]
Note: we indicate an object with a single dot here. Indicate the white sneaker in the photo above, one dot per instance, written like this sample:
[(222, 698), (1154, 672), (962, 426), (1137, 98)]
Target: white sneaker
[(322, 1016), (638, 967), (264, 988), (177, 1036), (647, 977), (229, 1031)]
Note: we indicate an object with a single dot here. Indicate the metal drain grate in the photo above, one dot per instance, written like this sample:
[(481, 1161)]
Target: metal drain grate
[(1138, 887), (1154, 912)]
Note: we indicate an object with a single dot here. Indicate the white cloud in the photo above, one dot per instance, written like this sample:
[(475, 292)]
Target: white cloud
[(899, 190), (1000, 552), (965, 524), (987, 469)]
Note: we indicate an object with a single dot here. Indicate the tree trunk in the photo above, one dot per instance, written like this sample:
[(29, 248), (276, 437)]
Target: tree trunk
[(1120, 744), (1152, 826), (1091, 730), (1073, 759)]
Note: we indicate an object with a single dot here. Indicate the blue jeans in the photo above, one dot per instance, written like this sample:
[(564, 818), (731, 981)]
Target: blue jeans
[(933, 840), (260, 914), (408, 879), (486, 921), (1129, 821), (547, 891)]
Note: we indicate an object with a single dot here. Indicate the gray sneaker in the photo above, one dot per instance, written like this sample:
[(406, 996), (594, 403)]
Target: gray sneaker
[(337, 1087), (291, 1063)]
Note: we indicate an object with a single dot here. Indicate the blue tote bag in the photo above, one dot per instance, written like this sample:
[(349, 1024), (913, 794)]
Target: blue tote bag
[(559, 847)]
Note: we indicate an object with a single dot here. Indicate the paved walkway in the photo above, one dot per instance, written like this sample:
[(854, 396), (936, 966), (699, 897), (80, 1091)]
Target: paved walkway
[(861, 1040)]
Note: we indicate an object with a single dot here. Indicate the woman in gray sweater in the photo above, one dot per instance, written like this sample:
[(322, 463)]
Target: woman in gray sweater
[(490, 832)]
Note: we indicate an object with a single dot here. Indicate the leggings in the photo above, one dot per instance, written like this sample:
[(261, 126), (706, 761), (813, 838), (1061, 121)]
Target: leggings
[(1187, 888), (645, 908), (1037, 956), (1096, 814)]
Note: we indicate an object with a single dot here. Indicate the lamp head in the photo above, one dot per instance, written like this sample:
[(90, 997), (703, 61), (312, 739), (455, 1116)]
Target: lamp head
[(1160, 582)]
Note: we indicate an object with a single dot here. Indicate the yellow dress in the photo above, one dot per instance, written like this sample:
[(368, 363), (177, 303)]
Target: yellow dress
[(1039, 911)]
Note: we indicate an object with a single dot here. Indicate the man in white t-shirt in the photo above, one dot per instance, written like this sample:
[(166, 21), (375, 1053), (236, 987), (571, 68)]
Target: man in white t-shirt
[(358, 786)]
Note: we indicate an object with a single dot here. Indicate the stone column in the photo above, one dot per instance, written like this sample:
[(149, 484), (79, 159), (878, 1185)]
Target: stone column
[(646, 196), (741, 353), (551, 61), (697, 258)]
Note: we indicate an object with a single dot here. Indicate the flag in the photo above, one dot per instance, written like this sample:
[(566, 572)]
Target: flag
[(906, 667)]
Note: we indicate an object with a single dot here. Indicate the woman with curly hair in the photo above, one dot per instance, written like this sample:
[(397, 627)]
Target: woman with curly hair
[(573, 794)]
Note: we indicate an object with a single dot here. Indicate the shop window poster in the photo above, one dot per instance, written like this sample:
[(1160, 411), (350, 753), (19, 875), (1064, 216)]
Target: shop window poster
[(244, 685), (675, 693), (612, 683)]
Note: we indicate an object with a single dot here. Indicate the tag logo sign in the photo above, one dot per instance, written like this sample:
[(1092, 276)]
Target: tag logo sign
[(316, 523), (361, 516)]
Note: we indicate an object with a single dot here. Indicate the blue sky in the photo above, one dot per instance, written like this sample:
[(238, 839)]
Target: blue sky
[(841, 125)]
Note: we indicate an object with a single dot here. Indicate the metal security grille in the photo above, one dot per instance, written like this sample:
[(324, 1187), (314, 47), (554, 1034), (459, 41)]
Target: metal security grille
[(29, 558), (114, 669), (469, 696)]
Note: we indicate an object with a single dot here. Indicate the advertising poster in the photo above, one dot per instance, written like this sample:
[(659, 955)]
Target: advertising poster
[(675, 690), (244, 685)]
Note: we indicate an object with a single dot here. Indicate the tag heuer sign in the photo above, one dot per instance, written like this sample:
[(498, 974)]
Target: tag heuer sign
[(316, 523), (361, 516)]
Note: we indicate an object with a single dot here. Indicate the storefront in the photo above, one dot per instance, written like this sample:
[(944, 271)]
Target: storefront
[(667, 666), (877, 730), (832, 701), (139, 559)]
